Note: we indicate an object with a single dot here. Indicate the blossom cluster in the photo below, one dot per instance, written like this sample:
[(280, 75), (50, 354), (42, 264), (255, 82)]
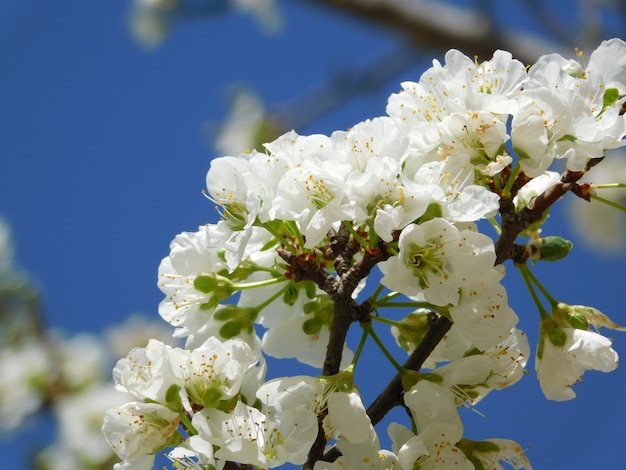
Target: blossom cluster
[(322, 232)]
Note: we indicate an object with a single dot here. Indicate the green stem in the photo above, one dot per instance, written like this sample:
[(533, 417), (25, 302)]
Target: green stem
[(359, 349), (608, 202), (496, 226), (524, 271), (295, 231), (191, 431), (386, 321), (414, 304), (376, 293), (390, 296), (370, 330), (286, 243), (254, 285), (509, 184), (355, 234), (544, 291), (610, 185), (271, 299)]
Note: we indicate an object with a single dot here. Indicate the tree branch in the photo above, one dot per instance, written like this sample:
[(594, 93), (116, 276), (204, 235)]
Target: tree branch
[(439, 26)]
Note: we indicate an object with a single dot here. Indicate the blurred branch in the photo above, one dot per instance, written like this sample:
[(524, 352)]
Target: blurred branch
[(439, 26), (344, 85), (549, 21)]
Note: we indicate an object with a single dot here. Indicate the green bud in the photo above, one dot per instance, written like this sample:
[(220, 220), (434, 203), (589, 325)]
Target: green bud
[(578, 321), (550, 248), (571, 315), (412, 329)]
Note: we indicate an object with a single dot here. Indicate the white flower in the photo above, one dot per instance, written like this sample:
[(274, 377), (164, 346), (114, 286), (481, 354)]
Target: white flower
[(432, 403), (248, 436), (283, 393), (483, 312), (435, 259), (315, 198), (477, 138), (609, 61), (459, 85), (569, 103), (491, 452), (144, 373), (560, 367), (347, 418), (432, 449), (458, 198), (509, 358), (194, 453), (137, 429), (215, 371)]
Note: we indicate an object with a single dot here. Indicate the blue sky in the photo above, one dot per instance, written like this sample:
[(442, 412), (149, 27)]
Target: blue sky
[(103, 159)]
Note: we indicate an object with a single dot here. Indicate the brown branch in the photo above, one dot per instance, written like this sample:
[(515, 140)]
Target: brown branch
[(391, 396), (513, 223)]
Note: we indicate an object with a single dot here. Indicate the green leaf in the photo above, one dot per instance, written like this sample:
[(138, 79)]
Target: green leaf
[(557, 336), (611, 95), (230, 330), (204, 284)]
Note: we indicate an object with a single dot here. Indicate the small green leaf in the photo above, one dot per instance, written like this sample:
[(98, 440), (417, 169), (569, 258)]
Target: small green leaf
[(230, 330), (291, 294), (210, 397), (172, 397), (312, 326), (557, 337), (611, 95), (204, 284)]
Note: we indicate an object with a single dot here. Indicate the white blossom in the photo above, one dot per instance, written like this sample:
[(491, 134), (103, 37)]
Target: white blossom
[(249, 436), (135, 430), (560, 367), (435, 259)]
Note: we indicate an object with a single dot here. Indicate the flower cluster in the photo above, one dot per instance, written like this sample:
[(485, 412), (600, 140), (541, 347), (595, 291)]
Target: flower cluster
[(319, 233)]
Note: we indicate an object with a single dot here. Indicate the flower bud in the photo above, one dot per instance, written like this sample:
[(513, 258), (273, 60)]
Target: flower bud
[(410, 331), (550, 248)]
